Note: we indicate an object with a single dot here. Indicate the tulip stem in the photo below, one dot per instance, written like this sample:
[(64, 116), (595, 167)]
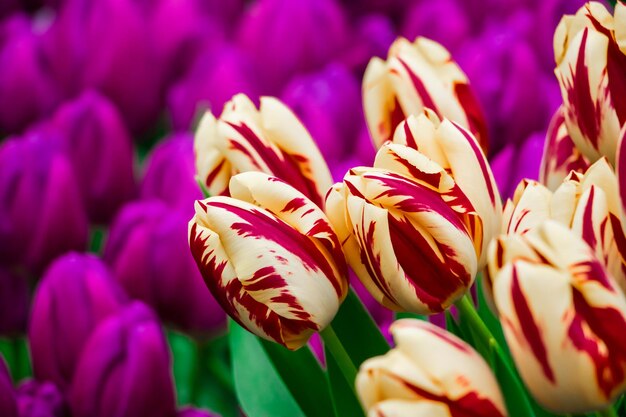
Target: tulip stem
[(607, 412), (469, 313), (336, 349)]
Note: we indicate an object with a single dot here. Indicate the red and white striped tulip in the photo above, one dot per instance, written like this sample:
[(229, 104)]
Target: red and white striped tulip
[(416, 76), (563, 318), (270, 257), (560, 155), (429, 373), (269, 139), (590, 53)]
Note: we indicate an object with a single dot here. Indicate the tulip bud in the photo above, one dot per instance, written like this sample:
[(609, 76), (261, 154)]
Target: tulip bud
[(194, 412), (560, 155), (270, 258), (270, 139), (148, 253), (40, 399), (430, 372), (41, 213), (14, 302), (416, 76), (76, 293), (8, 403), (591, 66), (563, 317), (100, 149), (124, 369)]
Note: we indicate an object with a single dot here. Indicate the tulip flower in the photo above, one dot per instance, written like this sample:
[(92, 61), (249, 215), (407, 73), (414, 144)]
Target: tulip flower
[(193, 412), (124, 369), (373, 35), (14, 302), (416, 76), (430, 372), (148, 254), (40, 399), (41, 213), (560, 155), (270, 139), (563, 317), (270, 257), (76, 293), (590, 53), (8, 403)]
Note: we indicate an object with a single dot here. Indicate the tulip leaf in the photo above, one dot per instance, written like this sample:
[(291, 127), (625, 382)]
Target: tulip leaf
[(184, 359), (345, 402), (406, 315), (515, 395), (215, 389), (260, 389), (17, 356), (489, 318)]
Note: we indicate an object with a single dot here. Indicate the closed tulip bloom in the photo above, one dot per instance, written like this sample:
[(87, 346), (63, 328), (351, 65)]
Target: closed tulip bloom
[(40, 399), (563, 317), (124, 369), (269, 139), (76, 293), (194, 412), (416, 76), (590, 53), (560, 155), (14, 302), (429, 373), (8, 402), (270, 257)]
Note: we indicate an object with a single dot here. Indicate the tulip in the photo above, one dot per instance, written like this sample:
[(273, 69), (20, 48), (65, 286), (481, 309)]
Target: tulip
[(40, 399), (416, 76), (76, 293), (193, 412), (41, 213), (374, 34), (124, 369), (170, 171), (270, 139), (148, 254), (560, 155), (99, 146), (14, 302), (8, 402), (563, 318), (430, 372), (270, 258), (590, 53)]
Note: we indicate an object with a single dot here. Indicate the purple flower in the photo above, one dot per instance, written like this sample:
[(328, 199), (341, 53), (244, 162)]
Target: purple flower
[(124, 369), (148, 251), (285, 37), (99, 146), (41, 213), (8, 403), (27, 91), (373, 36), (76, 293), (194, 412), (170, 174), (14, 303), (40, 399)]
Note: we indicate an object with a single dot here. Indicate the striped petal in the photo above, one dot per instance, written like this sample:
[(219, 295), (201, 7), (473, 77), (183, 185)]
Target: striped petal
[(212, 167), (531, 205)]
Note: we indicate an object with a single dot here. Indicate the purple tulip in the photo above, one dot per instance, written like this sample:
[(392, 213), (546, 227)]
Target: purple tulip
[(14, 303), (76, 293), (214, 78), (100, 148), (124, 369), (194, 412), (516, 162), (148, 252), (285, 37), (373, 35), (27, 91), (329, 105), (170, 174), (41, 212), (8, 402), (40, 399)]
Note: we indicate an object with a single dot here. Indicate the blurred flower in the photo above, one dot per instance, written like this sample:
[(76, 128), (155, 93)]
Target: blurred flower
[(269, 139), (148, 253), (99, 146), (329, 105), (563, 317), (8, 402), (14, 302), (429, 372), (41, 213), (517, 162), (270, 258), (373, 34), (590, 53), (170, 173), (416, 76), (76, 293), (40, 399), (27, 91), (124, 369), (285, 37), (194, 412)]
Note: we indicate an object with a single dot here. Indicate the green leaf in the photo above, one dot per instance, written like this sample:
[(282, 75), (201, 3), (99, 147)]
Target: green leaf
[(344, 401), (260, 390), (515, 395), (357, 331), (17, 355), (184, 364), (452, 326), (491, 321), (406, 315), (215, 388)]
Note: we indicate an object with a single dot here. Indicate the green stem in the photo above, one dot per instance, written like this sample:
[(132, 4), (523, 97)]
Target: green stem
[(607, 412), (332, 342), (468, 312)]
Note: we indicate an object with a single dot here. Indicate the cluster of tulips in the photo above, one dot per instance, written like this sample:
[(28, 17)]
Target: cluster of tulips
[(425, 231)]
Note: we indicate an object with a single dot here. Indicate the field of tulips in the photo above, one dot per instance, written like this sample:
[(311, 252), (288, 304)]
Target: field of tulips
[(312, 208)]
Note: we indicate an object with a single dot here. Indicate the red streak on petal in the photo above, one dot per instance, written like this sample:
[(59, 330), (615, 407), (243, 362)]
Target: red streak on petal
[(294, 205), (420, 88), (473, 111), (213, 174), (410, 139), (588, 234)]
